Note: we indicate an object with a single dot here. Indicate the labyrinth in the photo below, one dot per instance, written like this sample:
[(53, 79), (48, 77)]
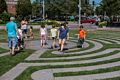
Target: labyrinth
[(99, 59)]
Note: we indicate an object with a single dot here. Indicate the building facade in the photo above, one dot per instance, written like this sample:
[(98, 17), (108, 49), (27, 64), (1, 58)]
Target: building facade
[(11, 6)]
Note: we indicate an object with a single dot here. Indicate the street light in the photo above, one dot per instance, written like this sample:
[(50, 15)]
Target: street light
[(43, 9), (79, 12)]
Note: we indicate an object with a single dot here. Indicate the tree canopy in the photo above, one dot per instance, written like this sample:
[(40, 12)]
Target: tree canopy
[(3, 6), (65, 7), (110, 7), (24, 8)]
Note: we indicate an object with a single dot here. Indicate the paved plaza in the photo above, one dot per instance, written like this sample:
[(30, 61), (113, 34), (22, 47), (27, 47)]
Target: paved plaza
[(94, 56), (47, 74), (59, 39)]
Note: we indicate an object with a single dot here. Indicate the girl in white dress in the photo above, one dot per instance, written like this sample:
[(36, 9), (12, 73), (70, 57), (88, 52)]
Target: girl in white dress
[(43, 35)]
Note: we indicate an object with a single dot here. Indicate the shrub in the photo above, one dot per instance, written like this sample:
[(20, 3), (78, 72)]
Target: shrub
[(4, 17), (48, 22), (101, 24), (2, 22)]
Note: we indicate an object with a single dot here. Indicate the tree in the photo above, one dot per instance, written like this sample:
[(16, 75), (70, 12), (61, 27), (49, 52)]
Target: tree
[(36, 9), (59, 7), (110, 7), (3, 6), (99, 10), (24, 8)]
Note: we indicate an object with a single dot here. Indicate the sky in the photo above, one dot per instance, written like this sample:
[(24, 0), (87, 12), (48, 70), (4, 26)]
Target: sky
[(96, 1)]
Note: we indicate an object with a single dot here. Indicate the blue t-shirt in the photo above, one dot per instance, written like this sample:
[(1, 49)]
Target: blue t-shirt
[(11, 29), (63, 32)]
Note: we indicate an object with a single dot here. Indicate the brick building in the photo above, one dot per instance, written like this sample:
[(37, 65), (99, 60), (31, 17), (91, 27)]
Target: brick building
[(11, 6)]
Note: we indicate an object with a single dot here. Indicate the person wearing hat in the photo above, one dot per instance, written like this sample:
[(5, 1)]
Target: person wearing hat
[(11, 28), (81, 36)]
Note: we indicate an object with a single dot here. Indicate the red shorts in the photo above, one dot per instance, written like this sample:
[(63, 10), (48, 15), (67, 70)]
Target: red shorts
[(31, 34)]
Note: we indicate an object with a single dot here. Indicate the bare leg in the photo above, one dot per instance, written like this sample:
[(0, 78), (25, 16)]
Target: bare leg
[(41, 42), (62, 44), (60, 41), (10, 51), (13, 50), (26, 36), (54, 43)]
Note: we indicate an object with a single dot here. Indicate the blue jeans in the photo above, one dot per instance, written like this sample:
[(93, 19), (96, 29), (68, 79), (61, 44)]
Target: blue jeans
[(12, 42)]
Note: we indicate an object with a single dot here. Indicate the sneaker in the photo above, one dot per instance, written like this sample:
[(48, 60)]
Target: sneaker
[(59, 49), (61, 52), (46, 43)]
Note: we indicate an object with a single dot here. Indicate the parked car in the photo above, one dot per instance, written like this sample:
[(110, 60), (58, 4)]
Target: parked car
[(88, 20), (36, 19)]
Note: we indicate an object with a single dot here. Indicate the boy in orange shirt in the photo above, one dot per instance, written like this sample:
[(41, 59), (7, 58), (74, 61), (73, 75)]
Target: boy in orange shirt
[(81, 36)]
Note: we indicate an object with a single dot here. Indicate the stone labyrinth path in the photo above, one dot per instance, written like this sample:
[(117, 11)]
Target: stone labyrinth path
[(99, 59)]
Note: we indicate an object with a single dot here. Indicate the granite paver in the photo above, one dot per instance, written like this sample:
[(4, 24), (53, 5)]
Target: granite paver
[(36, 55), (103, 41), (10, 74), (97, 46), (40, 75)]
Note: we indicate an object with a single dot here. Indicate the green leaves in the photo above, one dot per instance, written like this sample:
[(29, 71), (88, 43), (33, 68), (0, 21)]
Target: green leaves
[(24, 8), (111, 7), (63, 7), (3, 6)]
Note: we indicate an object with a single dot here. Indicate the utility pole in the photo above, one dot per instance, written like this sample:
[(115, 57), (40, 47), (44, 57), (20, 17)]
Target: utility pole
[(79, 12), (93, 3), (43, 9)]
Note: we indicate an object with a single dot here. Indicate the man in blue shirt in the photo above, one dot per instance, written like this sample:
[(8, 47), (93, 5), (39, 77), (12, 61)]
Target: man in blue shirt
[(11, 28)]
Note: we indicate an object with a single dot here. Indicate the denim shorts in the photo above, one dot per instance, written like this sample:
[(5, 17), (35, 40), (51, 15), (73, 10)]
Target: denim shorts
[(12, 42), (24, 31)]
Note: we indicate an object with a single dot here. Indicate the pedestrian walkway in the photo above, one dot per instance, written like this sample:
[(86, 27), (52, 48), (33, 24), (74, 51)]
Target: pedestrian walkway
[(97, 57)]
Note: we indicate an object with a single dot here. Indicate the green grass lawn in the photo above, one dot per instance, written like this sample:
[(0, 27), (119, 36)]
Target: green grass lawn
[(8, 62), (111, 69), (48, 54), (3, 36), (90, 34), (26, 75), (76, 59), (2, 50)]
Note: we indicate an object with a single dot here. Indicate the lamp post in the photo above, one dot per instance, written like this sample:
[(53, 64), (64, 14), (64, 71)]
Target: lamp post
[(79, 12), (93, 3), (43, 9)]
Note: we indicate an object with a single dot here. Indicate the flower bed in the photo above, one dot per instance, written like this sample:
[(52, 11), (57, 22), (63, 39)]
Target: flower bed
[(48, 22), (102, 24)]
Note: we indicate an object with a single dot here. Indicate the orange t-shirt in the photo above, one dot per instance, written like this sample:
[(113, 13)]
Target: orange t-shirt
[(81, 33)]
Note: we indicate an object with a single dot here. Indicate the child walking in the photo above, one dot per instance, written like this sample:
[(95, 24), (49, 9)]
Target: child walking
[(43, 34), (54, 36), (81, 36), (20, 38), (31, 32)]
